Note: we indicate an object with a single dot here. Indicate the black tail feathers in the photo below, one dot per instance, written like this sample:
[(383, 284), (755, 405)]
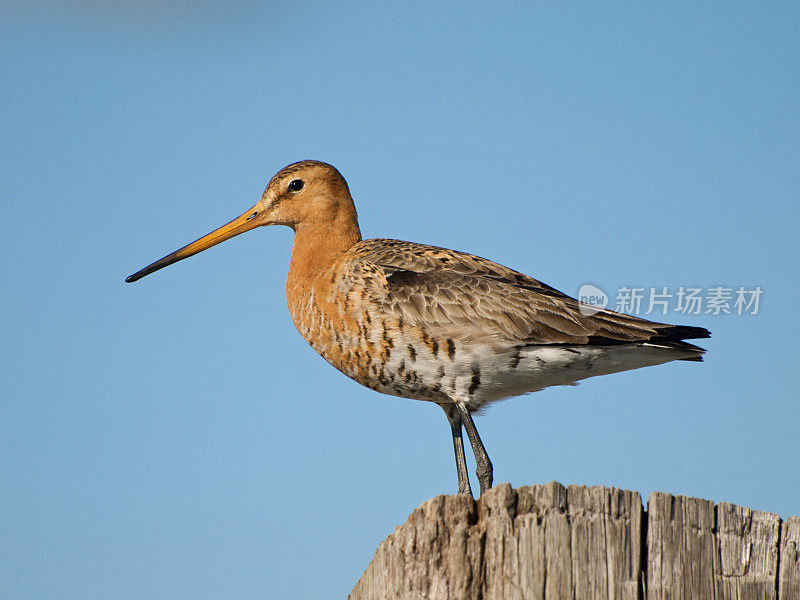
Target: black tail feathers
[(673, 336)]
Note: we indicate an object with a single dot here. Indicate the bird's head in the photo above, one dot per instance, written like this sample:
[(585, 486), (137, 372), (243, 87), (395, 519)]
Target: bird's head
[(305, 195)]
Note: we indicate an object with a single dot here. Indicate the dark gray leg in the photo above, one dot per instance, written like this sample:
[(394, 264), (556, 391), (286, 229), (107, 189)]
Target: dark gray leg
[(454, 418), (484, 465)]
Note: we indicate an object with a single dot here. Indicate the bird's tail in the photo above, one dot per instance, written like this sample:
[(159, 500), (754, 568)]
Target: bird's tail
[(672, 336)]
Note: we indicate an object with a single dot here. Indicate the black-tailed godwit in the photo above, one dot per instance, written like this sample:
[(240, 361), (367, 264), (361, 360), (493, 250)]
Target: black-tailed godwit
[(433, 324)]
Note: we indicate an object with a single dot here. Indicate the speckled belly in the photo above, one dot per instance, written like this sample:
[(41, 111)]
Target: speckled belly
[(385, 354)]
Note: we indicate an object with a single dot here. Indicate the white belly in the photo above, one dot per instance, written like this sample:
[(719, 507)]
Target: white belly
[(481, 375)]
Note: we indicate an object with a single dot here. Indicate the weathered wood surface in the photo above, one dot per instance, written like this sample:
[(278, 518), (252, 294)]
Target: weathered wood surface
[(789, 574), (699, 550), (551, 542)]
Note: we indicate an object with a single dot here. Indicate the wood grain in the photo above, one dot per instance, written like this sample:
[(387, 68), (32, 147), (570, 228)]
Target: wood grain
[(547, 542), (789, 576)]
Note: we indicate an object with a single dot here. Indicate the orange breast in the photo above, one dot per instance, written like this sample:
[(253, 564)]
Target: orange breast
[(354, 335), (336, 328)]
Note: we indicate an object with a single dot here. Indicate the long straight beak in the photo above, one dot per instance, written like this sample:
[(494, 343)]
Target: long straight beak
[(240, 224)]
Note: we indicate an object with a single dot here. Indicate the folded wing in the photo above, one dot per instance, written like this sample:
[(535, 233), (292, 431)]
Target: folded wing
[(439, 289)]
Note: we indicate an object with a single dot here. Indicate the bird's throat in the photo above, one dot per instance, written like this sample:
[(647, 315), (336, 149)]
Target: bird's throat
[(316, 250)]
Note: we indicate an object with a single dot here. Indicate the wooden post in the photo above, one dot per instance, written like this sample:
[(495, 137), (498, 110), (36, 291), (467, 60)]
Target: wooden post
[(789, 574), (551, 542)]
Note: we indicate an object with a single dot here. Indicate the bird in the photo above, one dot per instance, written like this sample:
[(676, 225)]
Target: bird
[(428, 323)]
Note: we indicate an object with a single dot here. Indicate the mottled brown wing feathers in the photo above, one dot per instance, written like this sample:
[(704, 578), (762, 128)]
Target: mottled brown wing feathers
[(440, 289)]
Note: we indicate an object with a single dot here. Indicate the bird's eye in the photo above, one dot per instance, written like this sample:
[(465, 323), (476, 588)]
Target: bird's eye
[(295, 185)]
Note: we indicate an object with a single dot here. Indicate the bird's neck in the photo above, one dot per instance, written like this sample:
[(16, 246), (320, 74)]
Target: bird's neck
[(318, 247)]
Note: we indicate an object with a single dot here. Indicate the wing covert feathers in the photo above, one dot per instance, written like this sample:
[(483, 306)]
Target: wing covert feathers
[(439, 289)]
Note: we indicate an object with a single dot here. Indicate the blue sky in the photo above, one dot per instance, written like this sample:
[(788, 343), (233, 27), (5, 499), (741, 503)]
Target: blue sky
[(177, 438)]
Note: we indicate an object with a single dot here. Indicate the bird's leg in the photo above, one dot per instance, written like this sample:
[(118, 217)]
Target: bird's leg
[(484, 465), (454, 418)]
